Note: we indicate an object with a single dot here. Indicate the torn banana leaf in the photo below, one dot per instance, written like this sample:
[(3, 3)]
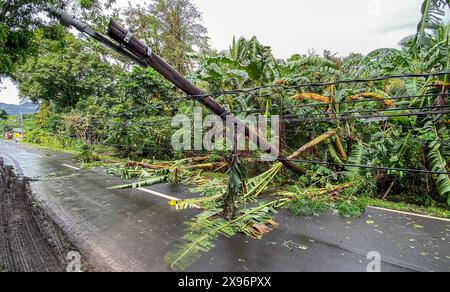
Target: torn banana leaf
[(204, 230)]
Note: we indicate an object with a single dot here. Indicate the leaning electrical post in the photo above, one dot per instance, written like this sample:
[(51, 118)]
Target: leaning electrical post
[(141, 53)]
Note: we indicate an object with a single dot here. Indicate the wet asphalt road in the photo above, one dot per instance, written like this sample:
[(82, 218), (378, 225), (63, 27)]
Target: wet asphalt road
[(131, 230)]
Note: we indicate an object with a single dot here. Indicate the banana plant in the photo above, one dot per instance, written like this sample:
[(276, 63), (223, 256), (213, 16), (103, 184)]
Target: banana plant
[(436, 159)]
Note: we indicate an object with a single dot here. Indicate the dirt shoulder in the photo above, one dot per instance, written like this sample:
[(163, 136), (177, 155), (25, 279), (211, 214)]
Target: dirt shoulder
[(29, 240)]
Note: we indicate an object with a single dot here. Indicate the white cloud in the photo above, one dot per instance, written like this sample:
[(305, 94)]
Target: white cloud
[(290, 26), (8, 92)]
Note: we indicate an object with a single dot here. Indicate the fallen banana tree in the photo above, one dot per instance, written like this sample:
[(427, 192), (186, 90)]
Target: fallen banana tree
[(253, 221), (177, 172), (250, 217), (258, 184)]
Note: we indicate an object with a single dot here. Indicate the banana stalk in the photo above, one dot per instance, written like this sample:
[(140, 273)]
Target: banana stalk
[(313, 143), (340, 148), (258, 184), (388, 102), (148, 182)]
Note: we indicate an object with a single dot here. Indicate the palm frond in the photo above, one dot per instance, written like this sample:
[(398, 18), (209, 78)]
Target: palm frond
[(205, 230), (333, 153), (433, 13), (235, 188), (258, 184), (198, 203), (207, 226), (356, 158)]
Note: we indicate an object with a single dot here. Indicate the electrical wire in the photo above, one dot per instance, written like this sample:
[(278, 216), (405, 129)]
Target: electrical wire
[(315, 84), (374, 118), (379, 168)]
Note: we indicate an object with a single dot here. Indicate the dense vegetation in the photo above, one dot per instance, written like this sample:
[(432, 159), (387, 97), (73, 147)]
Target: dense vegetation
[(93, 100)]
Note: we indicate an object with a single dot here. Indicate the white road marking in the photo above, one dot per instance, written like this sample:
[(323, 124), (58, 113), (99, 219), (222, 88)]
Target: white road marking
[(409, 214), (170, 198), (70, 166)]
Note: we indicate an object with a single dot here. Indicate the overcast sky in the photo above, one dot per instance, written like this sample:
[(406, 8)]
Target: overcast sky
[(298, 26)]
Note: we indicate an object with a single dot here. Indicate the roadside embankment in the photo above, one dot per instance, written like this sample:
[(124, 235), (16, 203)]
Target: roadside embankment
[(29, 240)]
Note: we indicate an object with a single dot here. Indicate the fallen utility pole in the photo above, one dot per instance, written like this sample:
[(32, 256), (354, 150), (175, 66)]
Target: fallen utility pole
[(139, 52)]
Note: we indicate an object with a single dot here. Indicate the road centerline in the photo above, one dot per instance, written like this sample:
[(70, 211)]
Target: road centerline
[(158, 194), (70, 166), (408, 213)]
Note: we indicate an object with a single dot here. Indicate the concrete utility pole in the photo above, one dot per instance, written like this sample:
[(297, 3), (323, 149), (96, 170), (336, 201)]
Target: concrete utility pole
[(141, 53), (21, 125)]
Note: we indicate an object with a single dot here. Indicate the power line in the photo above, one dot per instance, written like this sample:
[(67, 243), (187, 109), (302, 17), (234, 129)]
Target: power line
[(304, 106), (374, 79), (371, 136), (303, 85), (363, 117), (306, 117), (316, 84), (369, 111), (351, 102), (381, 168), (287, 107)]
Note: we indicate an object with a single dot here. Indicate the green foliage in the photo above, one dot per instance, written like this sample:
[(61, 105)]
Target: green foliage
[(65, 71), (437, 161), (210, 188), (86, 154), (351, 208), (124, 172), (21, 20), (440, 212), (235, 188), (90, 96), (257, 185), (50, 140), (312, 201), (142, 87), (173, 27), (247, 63), (433, 13), (3, 115), (87, 4), (18, 21), (308, 207)]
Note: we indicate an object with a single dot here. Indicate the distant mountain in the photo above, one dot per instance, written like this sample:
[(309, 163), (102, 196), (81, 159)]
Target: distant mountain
[(14, 110)]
